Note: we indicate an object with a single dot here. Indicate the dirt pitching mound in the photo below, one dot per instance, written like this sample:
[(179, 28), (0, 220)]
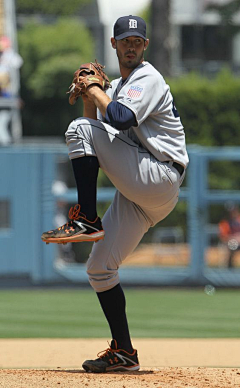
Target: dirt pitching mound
[(165, 363)]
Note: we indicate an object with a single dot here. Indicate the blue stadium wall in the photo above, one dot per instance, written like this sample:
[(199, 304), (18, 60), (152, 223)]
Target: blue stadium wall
[(28, 208)]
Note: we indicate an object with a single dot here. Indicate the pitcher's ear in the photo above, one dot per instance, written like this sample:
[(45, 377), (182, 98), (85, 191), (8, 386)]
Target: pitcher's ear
[(146, 43), (113, 42)]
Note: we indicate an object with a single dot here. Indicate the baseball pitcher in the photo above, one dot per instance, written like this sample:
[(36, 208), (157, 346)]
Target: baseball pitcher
[(131, 129)]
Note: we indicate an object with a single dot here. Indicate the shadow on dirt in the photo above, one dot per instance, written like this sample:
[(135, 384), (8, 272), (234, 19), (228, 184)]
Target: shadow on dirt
[(82, 371)]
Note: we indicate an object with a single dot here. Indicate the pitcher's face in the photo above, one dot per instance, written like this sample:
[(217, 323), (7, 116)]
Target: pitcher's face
[(130, 51)]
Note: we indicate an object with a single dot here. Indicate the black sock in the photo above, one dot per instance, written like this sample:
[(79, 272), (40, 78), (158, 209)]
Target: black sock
[(86, 172), (114, 307)]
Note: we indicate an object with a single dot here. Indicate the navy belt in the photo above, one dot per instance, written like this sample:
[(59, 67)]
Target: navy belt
[(178, 167)]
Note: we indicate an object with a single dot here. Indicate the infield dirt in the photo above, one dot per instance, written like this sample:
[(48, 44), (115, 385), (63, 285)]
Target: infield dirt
[(165, 363)]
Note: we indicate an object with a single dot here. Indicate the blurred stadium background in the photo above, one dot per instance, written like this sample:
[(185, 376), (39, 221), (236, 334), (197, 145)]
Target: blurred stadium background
[(195, 44)]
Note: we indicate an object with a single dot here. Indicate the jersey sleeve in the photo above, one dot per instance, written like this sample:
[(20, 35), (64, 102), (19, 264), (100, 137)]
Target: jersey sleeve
[(109, 93), (143, 94), (119, 116)]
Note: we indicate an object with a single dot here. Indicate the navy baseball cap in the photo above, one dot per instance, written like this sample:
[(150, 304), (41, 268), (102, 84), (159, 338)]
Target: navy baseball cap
[(129, 26)]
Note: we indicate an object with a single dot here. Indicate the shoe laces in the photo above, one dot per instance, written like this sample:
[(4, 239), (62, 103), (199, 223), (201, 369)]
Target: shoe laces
[(106, 352), (74, 214), (109, 352)]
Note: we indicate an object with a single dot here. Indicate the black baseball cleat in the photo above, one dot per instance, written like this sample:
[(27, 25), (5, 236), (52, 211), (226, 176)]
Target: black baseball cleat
[(113, 359), (77, 230)]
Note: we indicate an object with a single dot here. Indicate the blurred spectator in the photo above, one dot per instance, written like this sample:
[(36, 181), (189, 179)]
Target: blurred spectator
[(9, 62), (229, 232)]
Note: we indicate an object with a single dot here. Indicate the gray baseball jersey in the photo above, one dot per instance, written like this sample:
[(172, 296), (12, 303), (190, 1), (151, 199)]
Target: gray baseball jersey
[(140, 164), (159, 129)]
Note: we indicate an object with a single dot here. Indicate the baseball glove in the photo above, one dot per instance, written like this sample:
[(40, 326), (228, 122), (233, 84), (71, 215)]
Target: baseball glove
[(91, 74)]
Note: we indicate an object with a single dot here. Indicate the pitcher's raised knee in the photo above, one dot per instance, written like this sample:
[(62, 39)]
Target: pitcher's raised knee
[(79, 138), (100, 277)]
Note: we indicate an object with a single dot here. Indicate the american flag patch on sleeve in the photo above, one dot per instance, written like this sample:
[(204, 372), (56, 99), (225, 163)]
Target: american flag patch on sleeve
[(134, 91)]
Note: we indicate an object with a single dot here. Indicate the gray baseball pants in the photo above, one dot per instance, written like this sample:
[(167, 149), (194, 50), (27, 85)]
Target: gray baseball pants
[(147, 191)]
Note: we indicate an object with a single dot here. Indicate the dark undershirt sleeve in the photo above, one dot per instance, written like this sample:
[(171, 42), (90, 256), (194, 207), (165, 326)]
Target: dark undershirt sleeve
[(119, 116)]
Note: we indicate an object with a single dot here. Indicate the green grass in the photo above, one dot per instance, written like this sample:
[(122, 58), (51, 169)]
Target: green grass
[(176, 313)]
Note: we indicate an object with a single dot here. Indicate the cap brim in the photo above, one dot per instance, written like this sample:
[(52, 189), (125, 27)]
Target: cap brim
[(129, 33)]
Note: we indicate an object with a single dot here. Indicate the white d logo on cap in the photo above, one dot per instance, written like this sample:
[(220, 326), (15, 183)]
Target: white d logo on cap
[(132, 23)]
